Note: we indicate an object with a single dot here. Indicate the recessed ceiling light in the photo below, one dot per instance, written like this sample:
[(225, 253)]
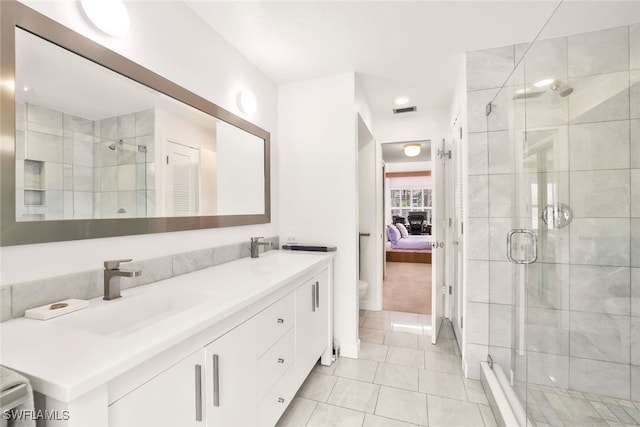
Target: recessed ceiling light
[(110, 16), (543, 82), (401, 100)]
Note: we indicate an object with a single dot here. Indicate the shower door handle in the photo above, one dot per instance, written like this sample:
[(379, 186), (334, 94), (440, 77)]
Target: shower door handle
[(534, 241)]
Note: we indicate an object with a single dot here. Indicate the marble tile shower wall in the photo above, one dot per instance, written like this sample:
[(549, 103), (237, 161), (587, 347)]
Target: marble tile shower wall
[(583, 294), (18, 297), (66, 170), (54, 164), (125, 173)]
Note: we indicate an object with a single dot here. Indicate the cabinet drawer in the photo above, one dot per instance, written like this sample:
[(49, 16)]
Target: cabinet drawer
[(275, 362), (274, 322), (276, 401)]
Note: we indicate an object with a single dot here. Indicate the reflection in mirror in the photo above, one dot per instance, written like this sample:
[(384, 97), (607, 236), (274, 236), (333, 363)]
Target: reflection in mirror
[(91, 144)]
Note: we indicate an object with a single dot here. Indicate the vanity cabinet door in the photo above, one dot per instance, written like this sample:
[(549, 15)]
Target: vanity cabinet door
[(312, 322), (231, 372), (173, 398)]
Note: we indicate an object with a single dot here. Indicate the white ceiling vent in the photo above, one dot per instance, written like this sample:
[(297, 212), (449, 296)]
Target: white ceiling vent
[(404, 110)]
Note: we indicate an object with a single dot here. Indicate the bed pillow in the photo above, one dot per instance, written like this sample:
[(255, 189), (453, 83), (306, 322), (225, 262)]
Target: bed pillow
[(393, 233), (403, 230)]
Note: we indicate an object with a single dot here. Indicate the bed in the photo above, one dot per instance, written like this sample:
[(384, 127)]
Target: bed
[(402, 247)]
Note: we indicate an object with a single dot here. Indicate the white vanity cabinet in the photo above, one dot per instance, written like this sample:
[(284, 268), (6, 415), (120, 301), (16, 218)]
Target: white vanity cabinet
[(171, 399), (312, 308), (236, 358), (230, 378)]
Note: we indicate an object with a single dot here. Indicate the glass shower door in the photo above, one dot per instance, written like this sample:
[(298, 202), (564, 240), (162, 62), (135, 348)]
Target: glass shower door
[(565, 211)]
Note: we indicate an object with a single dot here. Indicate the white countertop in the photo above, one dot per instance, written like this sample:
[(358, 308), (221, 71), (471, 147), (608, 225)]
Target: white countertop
[(64, 362)]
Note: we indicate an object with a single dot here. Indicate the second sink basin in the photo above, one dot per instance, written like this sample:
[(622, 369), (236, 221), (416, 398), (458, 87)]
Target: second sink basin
[(129, 314)]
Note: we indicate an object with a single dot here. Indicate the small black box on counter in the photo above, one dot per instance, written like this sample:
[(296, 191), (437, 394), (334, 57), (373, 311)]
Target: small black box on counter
[(309, 248)]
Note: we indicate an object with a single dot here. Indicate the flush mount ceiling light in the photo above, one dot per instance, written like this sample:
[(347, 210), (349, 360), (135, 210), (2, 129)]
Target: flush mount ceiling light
[(543, 82), (401, 100), (109, 16), (411, 150), (247, 102)]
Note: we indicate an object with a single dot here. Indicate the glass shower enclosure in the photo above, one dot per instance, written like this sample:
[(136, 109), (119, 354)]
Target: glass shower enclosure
[(563, 143)]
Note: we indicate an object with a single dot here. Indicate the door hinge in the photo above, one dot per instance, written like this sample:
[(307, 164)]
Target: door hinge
[(487, 109), (461, 322), (462, 228), (460, 133), (450, 290), (167, 159)]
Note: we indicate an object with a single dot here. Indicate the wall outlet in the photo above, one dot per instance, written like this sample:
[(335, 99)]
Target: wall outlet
[(291, 239)]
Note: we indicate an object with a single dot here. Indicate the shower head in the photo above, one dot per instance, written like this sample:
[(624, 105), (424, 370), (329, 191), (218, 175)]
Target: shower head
[(562, 89)]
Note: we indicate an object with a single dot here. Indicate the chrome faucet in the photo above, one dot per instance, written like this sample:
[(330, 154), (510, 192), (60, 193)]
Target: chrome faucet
[(112, 275), (255, 246)]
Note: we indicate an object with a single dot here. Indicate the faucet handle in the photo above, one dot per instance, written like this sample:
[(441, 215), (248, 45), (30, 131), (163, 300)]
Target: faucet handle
[(115, 263)]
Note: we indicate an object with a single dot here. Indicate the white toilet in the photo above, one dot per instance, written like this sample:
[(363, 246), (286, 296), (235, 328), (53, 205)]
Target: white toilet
[(362, 288)]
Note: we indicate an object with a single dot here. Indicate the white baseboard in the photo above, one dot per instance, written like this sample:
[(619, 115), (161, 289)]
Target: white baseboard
[(370, 305), (350, 351)]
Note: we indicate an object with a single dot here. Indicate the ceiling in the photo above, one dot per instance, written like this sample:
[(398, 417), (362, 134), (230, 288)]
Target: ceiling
[(413, 48), (393, 152)]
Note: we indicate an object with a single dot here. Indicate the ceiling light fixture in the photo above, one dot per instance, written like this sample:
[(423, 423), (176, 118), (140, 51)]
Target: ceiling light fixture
[(411, 150), (109, 16), (247, 102), (401, 100), (543, 82)]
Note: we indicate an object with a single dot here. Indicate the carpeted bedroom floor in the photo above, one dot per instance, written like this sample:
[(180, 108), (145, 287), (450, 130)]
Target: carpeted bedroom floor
[(407, 287)]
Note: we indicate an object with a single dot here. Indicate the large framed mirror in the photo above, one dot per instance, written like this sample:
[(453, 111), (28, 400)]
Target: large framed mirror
[(94, 145)]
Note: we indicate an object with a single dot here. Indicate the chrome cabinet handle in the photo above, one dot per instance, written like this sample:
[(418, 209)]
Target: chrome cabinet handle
[(216, 380), (534, 239), (280, 320), (280, 360), (313, 297), (317, 294), (280, 400), (198, 393)]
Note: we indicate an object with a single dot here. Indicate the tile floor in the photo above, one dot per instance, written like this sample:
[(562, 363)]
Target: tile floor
[(549, 406), (400, 380)]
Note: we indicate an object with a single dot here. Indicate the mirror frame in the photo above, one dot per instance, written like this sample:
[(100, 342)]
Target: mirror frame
[(14, 14)]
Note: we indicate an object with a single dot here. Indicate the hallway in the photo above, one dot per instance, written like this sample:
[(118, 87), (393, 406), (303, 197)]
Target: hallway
[(407, 288)]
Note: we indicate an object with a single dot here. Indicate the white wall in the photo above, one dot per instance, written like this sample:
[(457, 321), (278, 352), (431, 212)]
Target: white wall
[(318, 183), (169, 39), (415, 126), (240, 171), (368, 194), (408, 167)]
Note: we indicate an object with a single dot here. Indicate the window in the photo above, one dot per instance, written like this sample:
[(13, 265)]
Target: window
[(404, 201)]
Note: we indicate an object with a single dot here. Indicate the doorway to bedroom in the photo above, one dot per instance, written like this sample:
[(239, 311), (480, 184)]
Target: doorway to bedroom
[(407, 284)]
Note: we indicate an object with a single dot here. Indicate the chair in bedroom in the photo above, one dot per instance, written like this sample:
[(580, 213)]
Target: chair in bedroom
[(398, 219), (415, 222)]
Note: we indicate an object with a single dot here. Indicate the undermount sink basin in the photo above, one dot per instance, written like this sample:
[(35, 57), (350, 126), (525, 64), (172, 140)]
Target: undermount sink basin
[(129, 314)]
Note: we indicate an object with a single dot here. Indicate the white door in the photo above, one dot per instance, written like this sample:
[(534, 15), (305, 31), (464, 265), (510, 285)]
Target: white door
[(456, 294), (182, 182), (438, 233)]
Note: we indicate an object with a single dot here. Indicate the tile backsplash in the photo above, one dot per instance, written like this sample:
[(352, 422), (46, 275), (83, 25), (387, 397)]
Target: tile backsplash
[(18, 297)]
